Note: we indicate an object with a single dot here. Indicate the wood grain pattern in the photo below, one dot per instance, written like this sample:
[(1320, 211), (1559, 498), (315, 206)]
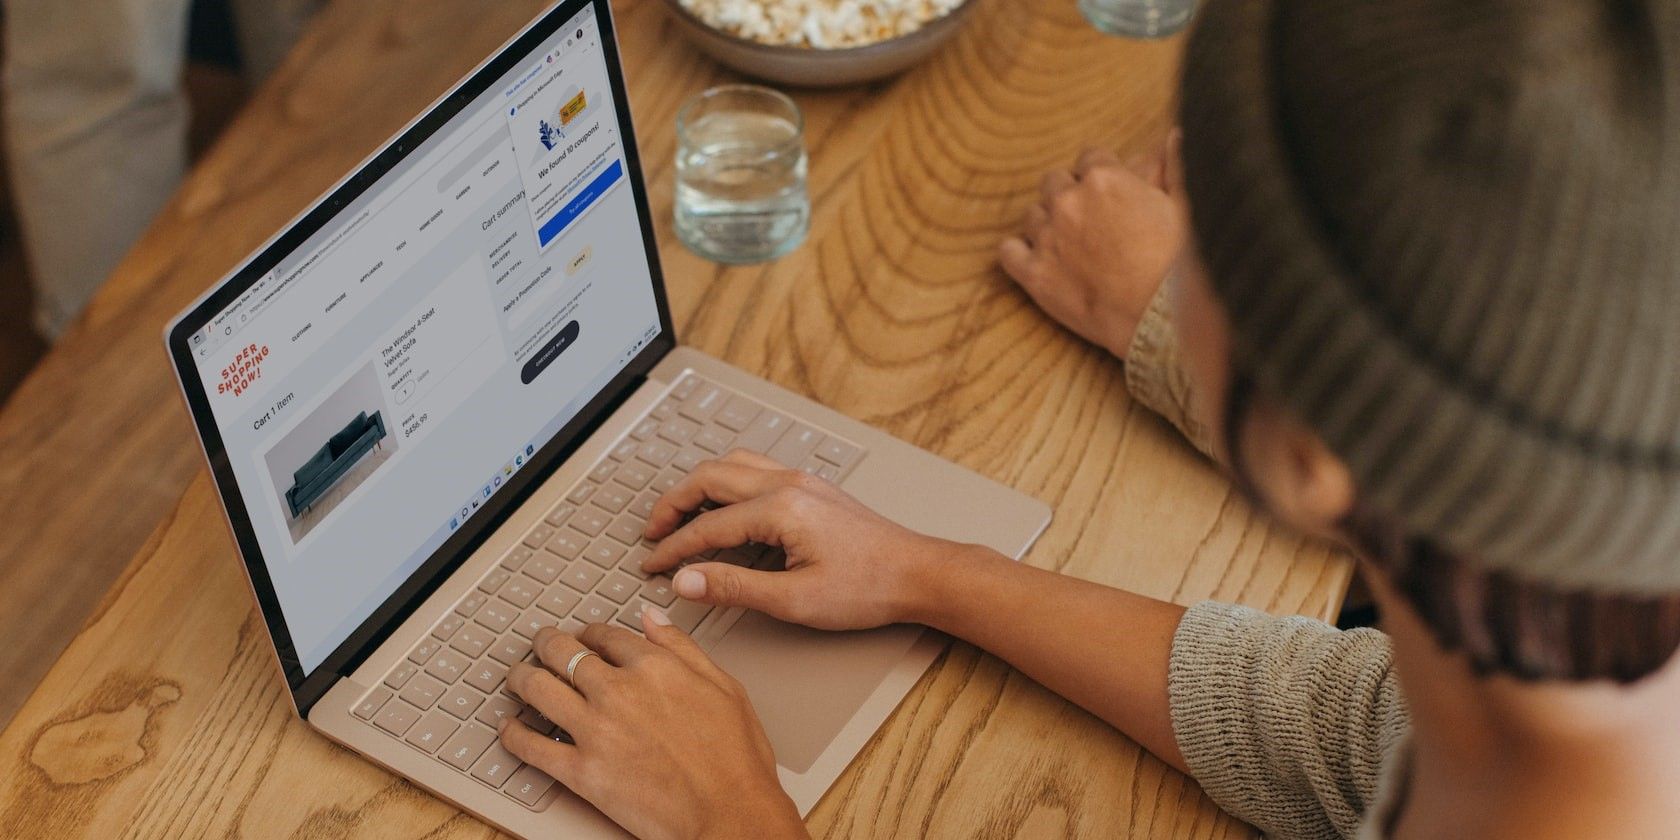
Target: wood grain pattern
[(164, 717)]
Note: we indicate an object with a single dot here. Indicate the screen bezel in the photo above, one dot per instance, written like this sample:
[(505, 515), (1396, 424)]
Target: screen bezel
[(308, 687)]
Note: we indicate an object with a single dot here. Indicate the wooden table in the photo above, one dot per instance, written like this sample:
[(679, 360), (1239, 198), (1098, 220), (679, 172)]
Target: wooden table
[(164, 717)]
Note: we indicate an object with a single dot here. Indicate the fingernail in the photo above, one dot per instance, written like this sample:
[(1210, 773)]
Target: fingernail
[(690, 584), (655, 615)]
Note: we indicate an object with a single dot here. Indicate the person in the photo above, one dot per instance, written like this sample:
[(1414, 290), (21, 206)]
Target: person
[(1418, 292), (96, 127)]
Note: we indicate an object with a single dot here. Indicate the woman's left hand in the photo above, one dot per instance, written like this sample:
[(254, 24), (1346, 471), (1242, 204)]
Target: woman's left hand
[(666, 743)]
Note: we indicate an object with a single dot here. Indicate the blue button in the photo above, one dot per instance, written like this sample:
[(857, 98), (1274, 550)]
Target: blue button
[(580, 202)]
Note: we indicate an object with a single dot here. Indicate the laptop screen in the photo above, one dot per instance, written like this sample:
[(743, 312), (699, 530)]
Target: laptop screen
[(394, 372)]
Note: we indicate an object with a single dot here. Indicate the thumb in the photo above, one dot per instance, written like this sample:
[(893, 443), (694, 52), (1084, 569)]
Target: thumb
[(727, 585)]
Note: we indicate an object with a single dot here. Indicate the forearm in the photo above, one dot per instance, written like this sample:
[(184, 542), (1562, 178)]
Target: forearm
[(1102, 648)]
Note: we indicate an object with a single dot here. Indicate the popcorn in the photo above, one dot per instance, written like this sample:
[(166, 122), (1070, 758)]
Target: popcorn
[(819, 24)]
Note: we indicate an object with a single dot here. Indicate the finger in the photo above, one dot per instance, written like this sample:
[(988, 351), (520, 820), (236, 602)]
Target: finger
[(1093, 158), (726, 527), (728, 585), (540, 689), (618, 645), (555, 648), (725, 482), (747, 457), (1054, 183), (1015, 256), (1038, 219), (556, 758), (662, 632)]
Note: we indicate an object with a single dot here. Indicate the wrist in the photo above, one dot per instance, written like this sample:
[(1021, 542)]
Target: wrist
[(776, 818), (934, 580)]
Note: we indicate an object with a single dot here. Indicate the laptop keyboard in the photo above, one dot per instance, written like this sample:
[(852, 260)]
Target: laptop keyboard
[(580, 564)]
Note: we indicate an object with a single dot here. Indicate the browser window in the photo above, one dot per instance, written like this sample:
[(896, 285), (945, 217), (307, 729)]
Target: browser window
[(395, 371)]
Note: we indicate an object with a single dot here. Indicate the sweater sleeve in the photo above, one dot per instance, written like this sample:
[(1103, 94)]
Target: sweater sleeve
[(1285, 722), (1155, 373)]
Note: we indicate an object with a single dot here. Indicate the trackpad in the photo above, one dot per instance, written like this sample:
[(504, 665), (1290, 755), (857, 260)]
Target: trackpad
[(806, 684)]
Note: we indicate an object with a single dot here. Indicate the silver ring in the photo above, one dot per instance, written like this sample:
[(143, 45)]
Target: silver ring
[(571, 664)]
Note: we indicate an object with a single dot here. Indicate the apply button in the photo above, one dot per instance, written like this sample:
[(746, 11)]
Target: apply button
[(539, 362)]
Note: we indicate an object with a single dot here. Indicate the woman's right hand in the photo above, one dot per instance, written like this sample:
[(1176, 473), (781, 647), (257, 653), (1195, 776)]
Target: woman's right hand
[(848, 567)]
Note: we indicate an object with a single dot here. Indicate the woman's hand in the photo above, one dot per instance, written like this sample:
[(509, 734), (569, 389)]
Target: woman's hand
[(848, 567), (666, 743), (1097, 246)]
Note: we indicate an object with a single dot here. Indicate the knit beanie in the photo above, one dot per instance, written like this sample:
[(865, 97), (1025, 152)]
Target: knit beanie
[(1448, 237)]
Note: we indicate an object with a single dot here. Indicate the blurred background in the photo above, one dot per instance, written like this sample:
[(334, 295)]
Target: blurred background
[(216, 90)]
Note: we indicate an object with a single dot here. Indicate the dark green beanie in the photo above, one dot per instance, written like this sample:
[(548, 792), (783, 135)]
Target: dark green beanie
[(1448, 234)]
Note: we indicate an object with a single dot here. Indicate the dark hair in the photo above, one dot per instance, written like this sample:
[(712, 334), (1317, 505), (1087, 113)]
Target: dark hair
[(1505, 625)]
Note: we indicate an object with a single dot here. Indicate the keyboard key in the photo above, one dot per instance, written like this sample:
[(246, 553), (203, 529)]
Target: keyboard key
[(605, 552), (519, 591), (559, 515), (496, 615), (528, 785), (496, 765), (811, 465), (447, 627), (507, 650), (667, 480), (493, 581), (645, 429), (632, 562), (582, 576), (625, 450), (473, 641), (422, 692), (471, 604), (486, 676), (496, 709), (396, 718), (714, 441), (737, 414), (461, 702), (643, 506), (558, 601), (432, 731), (837, 452), (401, 674), (765, 430), (581, 493), (571, 626), (533, 620), (658, 590), (631, 614), (594, 611), (685, 387), (613, 498), (626, 529), (799, 442), (704, 403), (567, 543), (371, 703), (424, 651), (447, 666), (544, 568), (602, 472), (592, 520), (466, 746), (534, 719), (687, 460), (656, 453), (687, 614), (517, 557), (829, 472), (665, 410), (537, 536), (679, 431), (634, 475), (618, 587)]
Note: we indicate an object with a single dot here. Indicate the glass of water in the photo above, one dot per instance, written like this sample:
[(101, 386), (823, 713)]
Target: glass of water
[(741, 170), (1138, 18)]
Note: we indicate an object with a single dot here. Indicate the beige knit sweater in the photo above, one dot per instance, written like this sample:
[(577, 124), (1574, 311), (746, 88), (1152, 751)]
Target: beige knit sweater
[(1289, 724)]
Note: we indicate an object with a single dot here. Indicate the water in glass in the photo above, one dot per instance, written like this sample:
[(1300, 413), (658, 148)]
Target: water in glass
[(1138, 18), (741, 170)]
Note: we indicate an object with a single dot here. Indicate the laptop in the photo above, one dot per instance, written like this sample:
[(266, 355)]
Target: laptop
[(439, 404)]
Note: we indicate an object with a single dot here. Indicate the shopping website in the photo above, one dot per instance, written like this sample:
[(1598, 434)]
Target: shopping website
[(389, 377)]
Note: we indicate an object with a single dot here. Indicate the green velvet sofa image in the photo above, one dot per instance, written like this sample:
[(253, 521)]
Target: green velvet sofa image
[(335, 458)]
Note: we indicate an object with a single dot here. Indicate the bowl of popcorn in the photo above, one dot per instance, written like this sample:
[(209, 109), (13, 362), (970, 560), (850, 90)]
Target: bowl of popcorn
[(819, 43)]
